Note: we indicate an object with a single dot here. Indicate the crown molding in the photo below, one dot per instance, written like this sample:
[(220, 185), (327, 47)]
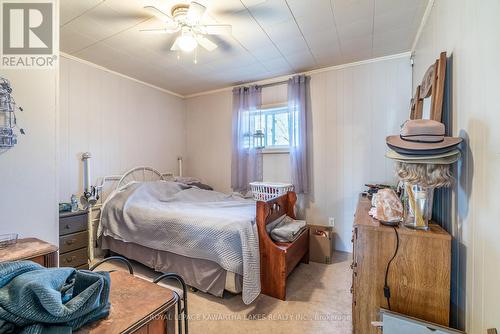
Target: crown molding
[(425, 18)]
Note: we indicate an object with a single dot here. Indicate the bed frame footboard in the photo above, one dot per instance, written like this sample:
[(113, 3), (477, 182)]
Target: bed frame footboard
[(278, 259)]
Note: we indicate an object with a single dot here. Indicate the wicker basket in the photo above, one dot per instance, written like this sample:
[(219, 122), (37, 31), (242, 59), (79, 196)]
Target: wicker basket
[(265, 191)]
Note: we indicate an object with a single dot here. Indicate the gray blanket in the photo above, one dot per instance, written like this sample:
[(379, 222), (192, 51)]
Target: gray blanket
[(188, 221), (285, 229)]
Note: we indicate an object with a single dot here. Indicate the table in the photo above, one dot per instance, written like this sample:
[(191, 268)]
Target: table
[(31, 249), (137, 306)]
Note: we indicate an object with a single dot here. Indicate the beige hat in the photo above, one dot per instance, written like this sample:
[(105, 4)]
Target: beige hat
[(437, 159), (422, 135)]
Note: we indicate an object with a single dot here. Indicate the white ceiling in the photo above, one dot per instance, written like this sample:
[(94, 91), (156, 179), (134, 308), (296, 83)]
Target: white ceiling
[(270, 38)]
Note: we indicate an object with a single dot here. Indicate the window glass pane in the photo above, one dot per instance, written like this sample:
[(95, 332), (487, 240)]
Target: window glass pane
[(269, 129), (281, 129), (273, 122)]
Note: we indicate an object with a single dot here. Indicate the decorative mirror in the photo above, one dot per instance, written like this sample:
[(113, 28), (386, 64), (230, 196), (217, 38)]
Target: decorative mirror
[(428, 100)]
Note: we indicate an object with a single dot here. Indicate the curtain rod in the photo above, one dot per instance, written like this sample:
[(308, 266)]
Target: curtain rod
[(267, 84), (274, 83)]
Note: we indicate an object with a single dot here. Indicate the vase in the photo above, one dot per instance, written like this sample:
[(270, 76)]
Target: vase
[(417, 201)]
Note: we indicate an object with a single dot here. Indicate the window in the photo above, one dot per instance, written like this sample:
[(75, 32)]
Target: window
[(272, 125)]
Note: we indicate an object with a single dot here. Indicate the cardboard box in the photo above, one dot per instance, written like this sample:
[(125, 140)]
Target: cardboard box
[(321, 243)]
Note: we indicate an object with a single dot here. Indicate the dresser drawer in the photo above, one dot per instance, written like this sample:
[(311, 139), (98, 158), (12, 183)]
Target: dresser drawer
[(73, 241), (72, 224), (74, 258)]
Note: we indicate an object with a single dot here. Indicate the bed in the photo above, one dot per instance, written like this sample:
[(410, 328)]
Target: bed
[(212, 239)]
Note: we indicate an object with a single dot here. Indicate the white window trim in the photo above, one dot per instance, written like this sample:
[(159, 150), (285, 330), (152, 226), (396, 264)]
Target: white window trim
[(276, 150), (274, 105)]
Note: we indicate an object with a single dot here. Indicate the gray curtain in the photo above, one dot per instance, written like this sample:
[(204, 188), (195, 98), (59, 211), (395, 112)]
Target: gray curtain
[(298, 106), (246, 162)]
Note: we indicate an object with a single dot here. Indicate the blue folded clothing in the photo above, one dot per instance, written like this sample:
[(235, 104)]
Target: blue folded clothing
[(34, 299)]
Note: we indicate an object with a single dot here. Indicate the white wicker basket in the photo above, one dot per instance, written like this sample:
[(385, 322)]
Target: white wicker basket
[(264, 191)]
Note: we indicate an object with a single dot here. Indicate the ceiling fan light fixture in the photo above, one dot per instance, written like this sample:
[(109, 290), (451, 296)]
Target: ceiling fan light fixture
[(185, 17), (187, 42)]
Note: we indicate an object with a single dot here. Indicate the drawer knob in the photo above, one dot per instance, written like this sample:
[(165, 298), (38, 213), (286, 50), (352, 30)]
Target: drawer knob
[(70, 259), (69, 242), (67, 226)]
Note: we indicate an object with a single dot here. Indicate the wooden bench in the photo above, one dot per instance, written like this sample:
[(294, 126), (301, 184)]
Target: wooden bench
[(278, 259)]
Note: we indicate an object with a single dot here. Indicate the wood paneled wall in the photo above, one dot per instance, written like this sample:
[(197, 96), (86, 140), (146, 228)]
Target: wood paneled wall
[(123, 124), (28, 170), (468, 32)]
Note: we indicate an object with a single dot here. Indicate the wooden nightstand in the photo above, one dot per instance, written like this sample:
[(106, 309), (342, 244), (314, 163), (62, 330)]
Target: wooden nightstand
[(137, 306), (31, 249), (73, 239)]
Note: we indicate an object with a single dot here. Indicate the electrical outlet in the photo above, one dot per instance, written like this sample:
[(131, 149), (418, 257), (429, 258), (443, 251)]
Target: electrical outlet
[(331, 221)]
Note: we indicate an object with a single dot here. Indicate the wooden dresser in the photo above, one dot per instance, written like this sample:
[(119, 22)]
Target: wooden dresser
[(31, 249), (73, 239), (419, 276)]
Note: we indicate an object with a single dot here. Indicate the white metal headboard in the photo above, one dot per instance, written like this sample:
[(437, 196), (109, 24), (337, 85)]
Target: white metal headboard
[(136, 174), (140, 174), (108, 184)]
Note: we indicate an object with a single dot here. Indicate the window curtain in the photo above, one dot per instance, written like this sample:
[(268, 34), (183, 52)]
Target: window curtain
[(246, 162), (298, 107)]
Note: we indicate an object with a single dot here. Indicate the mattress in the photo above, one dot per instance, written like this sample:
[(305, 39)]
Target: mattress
[(205, 275)]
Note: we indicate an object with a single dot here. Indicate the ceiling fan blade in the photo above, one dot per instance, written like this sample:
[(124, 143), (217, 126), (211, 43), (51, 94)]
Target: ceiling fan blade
[(159, 14), (206, 43), (195, 12), (175, 46), (160, 31), (216, 29)]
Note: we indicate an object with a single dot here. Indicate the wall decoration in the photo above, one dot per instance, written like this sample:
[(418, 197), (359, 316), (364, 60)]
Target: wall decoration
[(8, 120)]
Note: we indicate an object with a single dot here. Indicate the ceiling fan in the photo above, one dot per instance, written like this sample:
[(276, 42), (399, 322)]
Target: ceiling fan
[(185, 19)]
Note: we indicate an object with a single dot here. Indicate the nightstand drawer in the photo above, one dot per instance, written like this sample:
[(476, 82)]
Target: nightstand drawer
[(72, 224), (73, 241), (74, 258)]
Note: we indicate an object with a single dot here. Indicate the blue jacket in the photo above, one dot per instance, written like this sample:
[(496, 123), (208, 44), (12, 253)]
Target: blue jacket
[(34, 299)]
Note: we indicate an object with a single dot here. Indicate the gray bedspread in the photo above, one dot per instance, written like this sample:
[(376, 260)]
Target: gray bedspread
[(187, 221)]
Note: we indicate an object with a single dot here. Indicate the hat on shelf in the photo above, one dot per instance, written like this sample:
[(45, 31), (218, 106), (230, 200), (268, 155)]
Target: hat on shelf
[(423, 137), (436, 159)]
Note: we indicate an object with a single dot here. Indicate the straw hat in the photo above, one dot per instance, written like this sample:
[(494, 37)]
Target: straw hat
[(422, 137), (437, 159)]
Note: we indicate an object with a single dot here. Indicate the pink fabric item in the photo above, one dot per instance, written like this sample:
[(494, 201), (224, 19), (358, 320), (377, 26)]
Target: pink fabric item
[(388, 206)]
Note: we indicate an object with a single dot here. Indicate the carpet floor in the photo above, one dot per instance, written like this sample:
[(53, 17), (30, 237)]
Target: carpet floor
[(318, 301)]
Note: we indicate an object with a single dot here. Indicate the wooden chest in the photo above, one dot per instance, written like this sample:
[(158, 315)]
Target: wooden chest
[(418, 278)]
